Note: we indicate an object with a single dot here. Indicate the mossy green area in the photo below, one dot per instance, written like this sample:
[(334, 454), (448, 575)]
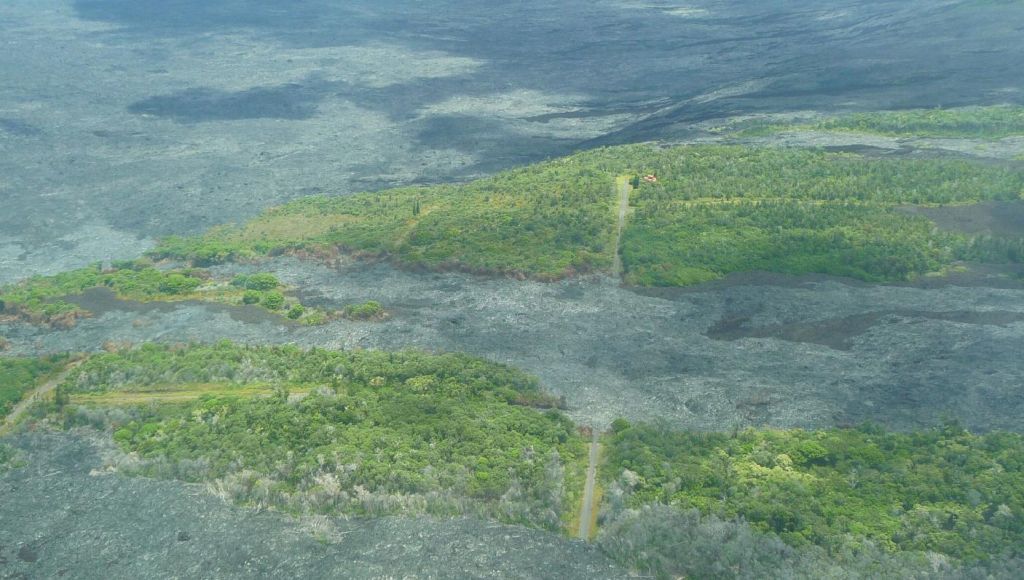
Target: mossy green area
[(20, 375), (43, 299), (360, 432), (944, 491), (712, 210), (994, 122)]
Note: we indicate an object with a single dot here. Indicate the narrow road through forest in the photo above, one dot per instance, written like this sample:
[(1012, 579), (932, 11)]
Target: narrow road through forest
[(622, 188), (35, 395), (588, 490)]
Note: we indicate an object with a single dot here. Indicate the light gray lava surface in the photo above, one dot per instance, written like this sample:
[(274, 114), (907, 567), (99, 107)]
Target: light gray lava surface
[(125, 120)]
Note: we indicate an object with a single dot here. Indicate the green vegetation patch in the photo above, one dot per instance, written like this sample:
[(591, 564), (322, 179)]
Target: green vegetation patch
[(944, 491), (677, 245), (976, 122), (18, 376), (377, 433), (546, 221), (712, 210), (370, 310), (993, 122), (717, 210), (43, 299)]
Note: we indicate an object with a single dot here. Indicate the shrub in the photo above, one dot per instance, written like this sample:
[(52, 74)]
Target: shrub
[(261, 281), (273, 300), (365, 311), (178, 284)]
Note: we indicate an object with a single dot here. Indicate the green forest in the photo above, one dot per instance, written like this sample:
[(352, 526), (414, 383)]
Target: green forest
[(719, 210), (360, 432), (992, 122), (944, 490), (713, 210)]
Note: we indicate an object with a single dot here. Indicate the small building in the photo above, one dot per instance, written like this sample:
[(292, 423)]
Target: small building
[(651, 178)]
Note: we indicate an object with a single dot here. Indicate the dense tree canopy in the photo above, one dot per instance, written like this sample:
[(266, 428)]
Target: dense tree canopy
[(943, 490)]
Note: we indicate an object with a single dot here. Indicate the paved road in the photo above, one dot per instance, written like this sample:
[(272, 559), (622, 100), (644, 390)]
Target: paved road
[(588, 491), (622, 186), (35, 395)]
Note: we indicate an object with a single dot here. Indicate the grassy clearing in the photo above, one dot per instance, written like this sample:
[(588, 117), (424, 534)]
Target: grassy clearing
[(289, 227), (176, 394)]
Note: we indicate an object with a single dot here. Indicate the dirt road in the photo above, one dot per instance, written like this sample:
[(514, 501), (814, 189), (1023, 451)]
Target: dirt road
[(586, 514)]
